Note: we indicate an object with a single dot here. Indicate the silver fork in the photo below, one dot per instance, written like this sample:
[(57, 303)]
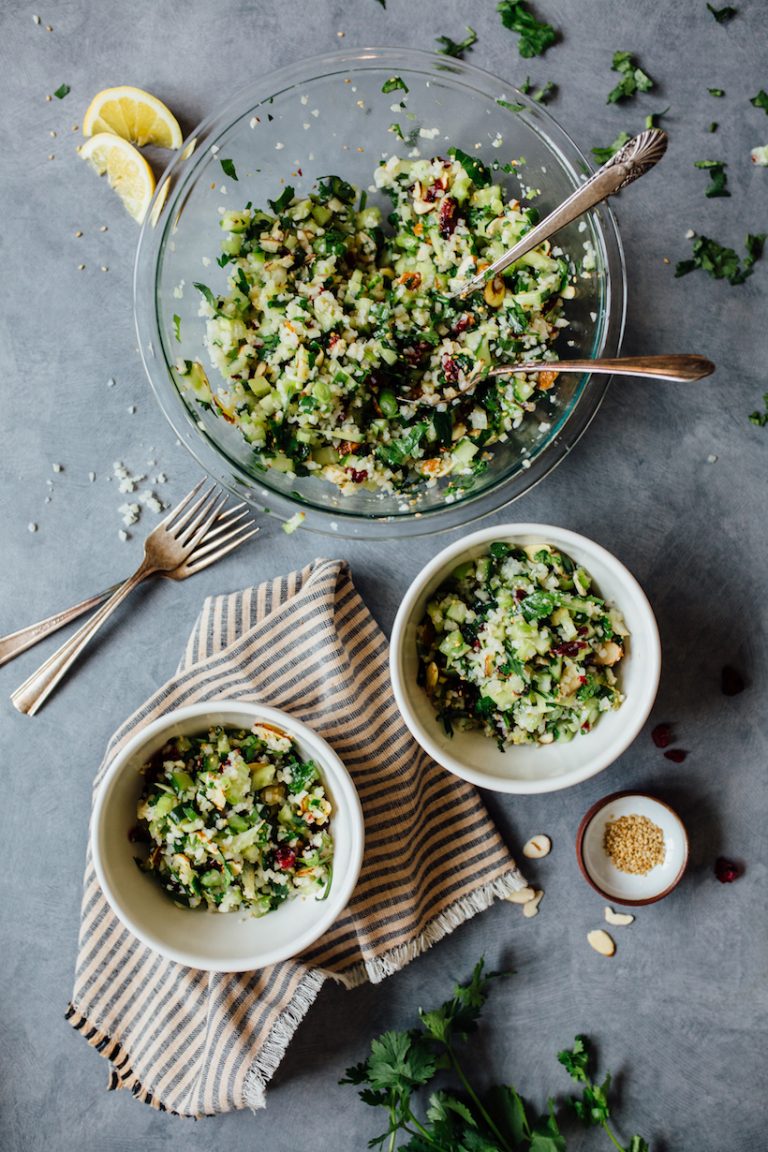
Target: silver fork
[(17, 642), (171, 545)]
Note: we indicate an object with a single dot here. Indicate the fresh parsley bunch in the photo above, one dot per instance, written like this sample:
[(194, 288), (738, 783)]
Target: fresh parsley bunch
[(457, 1118)]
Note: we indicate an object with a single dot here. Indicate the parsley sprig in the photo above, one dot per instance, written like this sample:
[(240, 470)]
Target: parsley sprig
[(723, 15), (401, 1065), (633, 78), (720, 262), (717, 177), (760, 418), (535, 35)]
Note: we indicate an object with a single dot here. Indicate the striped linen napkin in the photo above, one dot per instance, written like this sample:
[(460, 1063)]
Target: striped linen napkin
[(199, 1043)]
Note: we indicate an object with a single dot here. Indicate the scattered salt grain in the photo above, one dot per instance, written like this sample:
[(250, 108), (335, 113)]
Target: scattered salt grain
[(131, 409), (36, 19), (690, 234), (711, 459), (32, 527), (123, 535), (130, 513), (111, 382), (91, 476), (58, 467), (279, 145)]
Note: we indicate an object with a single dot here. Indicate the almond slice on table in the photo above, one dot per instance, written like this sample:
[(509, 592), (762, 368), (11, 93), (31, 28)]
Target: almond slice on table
[(531, 907), (134, 115), (537, 847), (618, 918), (601, 942), (521, 896)]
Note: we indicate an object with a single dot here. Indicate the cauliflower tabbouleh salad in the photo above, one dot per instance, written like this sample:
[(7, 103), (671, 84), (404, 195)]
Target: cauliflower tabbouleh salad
[(516, 644), (331, 328), (236, 821)]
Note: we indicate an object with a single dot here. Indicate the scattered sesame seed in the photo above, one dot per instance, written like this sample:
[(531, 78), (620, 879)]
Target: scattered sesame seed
[(711, 459), (305, 99), (341, 36), (103, 228), (58, 467), (76, 128), (360, 103), (634, 844), (104, 268), (206, 261), (81, 267), (47, 500), (32, 527), (51, 156), (666, 260), (52, 133), (315, 112), (690, 234), (48, 28), (78, 234), (48, 99)]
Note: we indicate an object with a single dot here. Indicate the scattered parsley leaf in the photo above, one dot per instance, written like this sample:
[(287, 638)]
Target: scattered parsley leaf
[(228, 168), (722, 263), (633, 78), (759, 101), (206, 293), (382, 2), (282, 201), (544, 94), (535, 36), (397, 130), (760, 418), (64, 90), (651, 121), (718, 178), (603, 155), (717, 92), (713, 126), (457, 48), (723, 15), (526, 86), (511, 107), (177, 327), (394, 84)]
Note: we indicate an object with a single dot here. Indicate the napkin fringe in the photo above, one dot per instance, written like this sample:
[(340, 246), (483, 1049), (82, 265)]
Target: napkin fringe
[(280, 1035)]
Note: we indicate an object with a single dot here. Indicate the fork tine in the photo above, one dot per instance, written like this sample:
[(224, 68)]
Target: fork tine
[(191, 513), (223, 524), (196, 564), (204, 518), (208, 543), (167, 520)]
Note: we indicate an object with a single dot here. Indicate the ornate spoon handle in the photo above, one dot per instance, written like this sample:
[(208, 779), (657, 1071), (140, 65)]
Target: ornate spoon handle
[(636, 158)]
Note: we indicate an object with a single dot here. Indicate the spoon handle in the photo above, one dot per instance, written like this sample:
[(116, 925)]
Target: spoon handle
[(676, 368), (636, 158)]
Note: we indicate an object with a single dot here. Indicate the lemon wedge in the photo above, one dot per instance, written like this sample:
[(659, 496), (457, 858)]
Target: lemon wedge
[(126, 170), (134, 115)]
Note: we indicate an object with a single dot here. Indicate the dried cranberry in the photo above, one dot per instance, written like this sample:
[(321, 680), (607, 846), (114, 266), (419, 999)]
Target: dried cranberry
[(451, 369), (520, 593), (432, 191), (448, 217), (727, 870), (582, 631), (417, 351), (357, 475), (285, 857), (466, 321), (661, 735), (731, 681), (569, 648), (676, 755)]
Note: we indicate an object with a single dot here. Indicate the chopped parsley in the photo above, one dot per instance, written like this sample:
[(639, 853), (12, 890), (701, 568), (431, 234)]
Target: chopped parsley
[(759, 101), (544, 94), (760, 418), (474, 167), (394, 84), (206, 293), (64, 90), (535, 35), (633, 78), (717, 92), (278, 206), (723, 263), (177, 327), (603, 155), (651, 121), (511, 107), (457, 48), (713, 126), (397, 130), (718, 178), (228, 168), (723, 15)]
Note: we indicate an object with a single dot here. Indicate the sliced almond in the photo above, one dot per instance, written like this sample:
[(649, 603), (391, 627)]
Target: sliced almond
[(531, 908), (521, 896), (619, 918), (601, 942), (537, 847)]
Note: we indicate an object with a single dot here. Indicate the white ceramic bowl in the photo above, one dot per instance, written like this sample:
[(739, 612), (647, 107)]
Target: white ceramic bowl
[(214, 941), (598, 868), (531, 768)]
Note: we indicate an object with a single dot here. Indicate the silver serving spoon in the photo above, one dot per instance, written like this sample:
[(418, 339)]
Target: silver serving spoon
[(676, 369), (636, 158)]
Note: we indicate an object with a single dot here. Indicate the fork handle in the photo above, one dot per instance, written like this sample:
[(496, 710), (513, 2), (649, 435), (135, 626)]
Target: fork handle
[(17, 642), (36, 689)]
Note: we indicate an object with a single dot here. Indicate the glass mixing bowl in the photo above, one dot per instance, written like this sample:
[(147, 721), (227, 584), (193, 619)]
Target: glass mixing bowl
[(329, 115)]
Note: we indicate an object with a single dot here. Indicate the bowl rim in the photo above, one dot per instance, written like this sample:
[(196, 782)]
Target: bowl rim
[(343, 788), (338, 520), (564, 537), (594, 811)]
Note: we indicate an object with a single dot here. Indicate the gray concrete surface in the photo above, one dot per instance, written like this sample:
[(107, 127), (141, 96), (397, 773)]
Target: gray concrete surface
[(681, 1011)]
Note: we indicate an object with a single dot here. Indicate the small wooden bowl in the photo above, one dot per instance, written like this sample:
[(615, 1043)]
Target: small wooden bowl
[(603, 875)]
